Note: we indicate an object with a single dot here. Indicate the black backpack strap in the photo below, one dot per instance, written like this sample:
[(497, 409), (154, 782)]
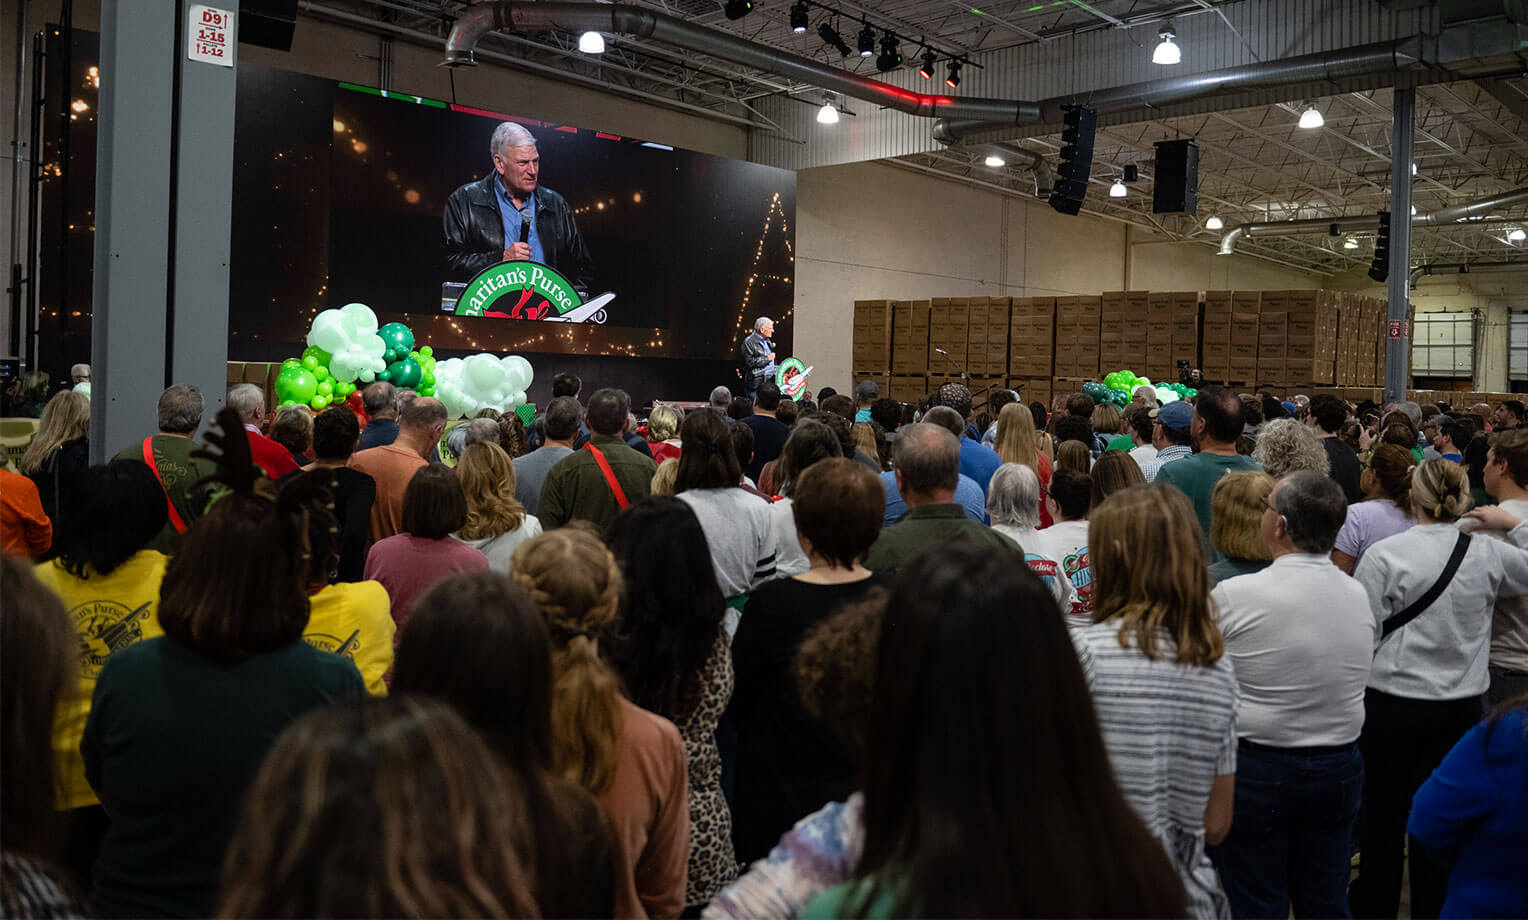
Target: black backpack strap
[(1422, 603)]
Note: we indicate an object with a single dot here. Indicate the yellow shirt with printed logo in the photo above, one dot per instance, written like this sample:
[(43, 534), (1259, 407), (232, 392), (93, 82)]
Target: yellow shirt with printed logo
[(354, 619), (109, 613)]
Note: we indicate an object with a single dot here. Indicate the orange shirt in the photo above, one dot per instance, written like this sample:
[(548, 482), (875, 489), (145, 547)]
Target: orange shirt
[(647, 804), (392, 467), (25, 530)]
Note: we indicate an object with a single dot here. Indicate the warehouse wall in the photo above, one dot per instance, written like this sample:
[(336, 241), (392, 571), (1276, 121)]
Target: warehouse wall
[(874, 231)]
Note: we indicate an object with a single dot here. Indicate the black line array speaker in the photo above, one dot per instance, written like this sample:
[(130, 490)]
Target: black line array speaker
[(1177, 178), (1078, 124), (268, 23)]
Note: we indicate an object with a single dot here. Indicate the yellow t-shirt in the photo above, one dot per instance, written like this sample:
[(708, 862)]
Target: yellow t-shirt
[(354, 619), (109, 612)]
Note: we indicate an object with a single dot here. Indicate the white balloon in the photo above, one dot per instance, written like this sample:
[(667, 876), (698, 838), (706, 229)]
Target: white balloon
[(1165, 396), (521, 372), (349, 334)]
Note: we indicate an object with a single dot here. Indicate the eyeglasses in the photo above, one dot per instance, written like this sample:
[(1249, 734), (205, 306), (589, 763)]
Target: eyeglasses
[(1267, 505)]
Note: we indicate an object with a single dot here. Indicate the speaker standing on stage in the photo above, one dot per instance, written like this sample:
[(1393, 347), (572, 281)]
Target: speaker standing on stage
[(758, 355), (507, 215)]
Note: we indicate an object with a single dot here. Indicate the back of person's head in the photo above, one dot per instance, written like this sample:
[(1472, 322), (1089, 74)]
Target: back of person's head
[(786, 412), (1040, 414), (835, 668), (608, 409), (35, 386), (566, 385), (958, 670), (955, 396), (1441, 490), (664, 478), (481, 431), (1285, 446), (1105, 418), (887, 413), (116, 509), (927, 459), (477, 642), (1140, 422), (433, 504), (1114, 471), (826, 393), (246, 399), (721, 398), (1150, 573), (39, 669), (1329, 412), (1221, 412), (841, 406), (423, 414), (948, 419), (866, 392), (868, 437), (380, 807), (1252, 410), (487, 479), (671, 605), (576, 584), (65, 418), (809, 442), (1454, 432), (663, 423), (1016, 441), (335, 433), (1072, 493), (1399, 430), (709, 459), (999, 399), (740, 408), (742, 443), (1075, 456), (180, 409), (768, 396), (1080, 405), (1313, 508), (1391, 468), (292, 428), (1013, 495), (1236, 514), (1074, 428), (842, 429), (838, 505), (380, 399), (1511, 447), (563, 414)]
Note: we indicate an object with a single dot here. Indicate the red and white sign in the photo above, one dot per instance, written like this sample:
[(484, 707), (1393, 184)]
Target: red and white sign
[(1400, 329), (209, 35)]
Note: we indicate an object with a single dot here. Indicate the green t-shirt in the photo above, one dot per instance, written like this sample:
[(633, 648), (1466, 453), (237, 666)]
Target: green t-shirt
[(841, 900), (178, 470), (1196, 477), (1121, 442)]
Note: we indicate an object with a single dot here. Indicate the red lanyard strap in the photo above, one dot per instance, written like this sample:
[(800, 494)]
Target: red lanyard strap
[(610, 480), (148, 457)]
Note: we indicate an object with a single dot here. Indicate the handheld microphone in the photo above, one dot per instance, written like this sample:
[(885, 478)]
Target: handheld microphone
[(942, 351), (525, 224)]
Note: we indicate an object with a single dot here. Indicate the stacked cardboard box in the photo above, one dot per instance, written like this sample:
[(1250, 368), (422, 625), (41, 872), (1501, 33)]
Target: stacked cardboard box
[(1032, 337), (1272, 332), (1158, 362), (1077, 329), (1243, 364), (1370, 343), (1216, 336), (949, 323), (1032, 389), (1309, 350), (909, 338), (908, 389), (987, 336), (1186, 320), (872, 336)]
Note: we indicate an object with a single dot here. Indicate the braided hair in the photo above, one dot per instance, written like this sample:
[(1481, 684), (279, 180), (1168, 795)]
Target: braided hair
[(1441, 489), (575, 583)]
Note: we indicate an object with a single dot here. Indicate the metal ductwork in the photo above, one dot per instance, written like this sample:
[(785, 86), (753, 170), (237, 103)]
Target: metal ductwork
[(1044, 173), (1464, 268), (1340, 225)]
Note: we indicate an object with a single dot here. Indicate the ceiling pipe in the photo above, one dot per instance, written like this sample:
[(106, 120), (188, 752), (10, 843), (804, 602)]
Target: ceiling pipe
[(1464, 268), (1045, 175), (1336, 226)]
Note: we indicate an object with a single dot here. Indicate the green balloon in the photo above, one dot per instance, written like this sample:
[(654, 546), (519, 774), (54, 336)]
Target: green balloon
[(405, 373), (310, 362), (292, 362), (319, 403), (427, 351), (399, 340), (325, 388), (295, 383), (317, 354)]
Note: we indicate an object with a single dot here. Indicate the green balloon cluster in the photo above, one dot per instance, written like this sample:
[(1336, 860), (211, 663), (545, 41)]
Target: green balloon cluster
[(308, 380), (1119, 389)]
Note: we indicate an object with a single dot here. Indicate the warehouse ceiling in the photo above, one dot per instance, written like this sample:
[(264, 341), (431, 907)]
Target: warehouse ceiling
[(1256, 164)]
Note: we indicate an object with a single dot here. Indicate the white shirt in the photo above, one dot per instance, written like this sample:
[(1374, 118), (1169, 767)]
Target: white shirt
[(740, 533), (1509, 627), (1301, 638), (1049, 569), (790, 558), (1143, 452), (500, 549), (1067, 543), (1442, 654)]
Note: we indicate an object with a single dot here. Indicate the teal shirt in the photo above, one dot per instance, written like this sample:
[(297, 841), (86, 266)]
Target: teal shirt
[(1196, 477), (842, 900), (927, 526)]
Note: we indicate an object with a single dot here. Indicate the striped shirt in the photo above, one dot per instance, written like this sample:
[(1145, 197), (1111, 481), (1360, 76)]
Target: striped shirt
[(1170, 729), (1150, 468)]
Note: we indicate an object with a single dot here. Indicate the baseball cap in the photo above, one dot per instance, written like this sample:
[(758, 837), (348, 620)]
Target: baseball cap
[(1175, 415), (867, 390)]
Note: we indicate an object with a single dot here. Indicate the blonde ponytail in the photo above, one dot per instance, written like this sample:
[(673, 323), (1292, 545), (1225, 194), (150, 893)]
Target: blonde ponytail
[(1441, 489)]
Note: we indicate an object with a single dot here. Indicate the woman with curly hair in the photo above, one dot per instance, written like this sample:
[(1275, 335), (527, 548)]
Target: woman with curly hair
[(1285, 446), (629, 759), (496, 522)]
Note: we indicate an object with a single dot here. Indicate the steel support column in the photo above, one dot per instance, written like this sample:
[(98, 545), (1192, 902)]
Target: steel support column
[(1398, 349)]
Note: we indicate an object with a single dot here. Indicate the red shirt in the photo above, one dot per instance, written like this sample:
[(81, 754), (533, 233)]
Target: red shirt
[(25, 530), (268, 455)]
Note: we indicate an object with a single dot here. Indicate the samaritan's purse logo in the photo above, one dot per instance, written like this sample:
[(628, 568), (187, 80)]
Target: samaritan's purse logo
[(518, 290), (326, 643), (103, 627), (791, 378)]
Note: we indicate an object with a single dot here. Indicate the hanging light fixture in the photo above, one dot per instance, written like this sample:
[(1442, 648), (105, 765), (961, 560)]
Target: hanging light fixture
[(1311, 117), (866, 41), (1118, 190), (799, 17), (1214, 223), (591, 43), (927, 70), (1166, 52), (1350, 243), (1517, 235), (995, 161), (953, 80), (828, 114), (890, 58)]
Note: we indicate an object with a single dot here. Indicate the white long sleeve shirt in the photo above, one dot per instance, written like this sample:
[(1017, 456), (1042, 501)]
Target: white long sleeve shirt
[(1442, 654)]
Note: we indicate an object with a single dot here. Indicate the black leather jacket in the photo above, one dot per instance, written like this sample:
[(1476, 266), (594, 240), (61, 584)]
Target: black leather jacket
[(474, 233), (756, 351)]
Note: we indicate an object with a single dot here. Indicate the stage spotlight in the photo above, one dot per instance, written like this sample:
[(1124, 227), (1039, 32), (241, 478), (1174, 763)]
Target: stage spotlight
[(737, 9), (1311, 117), (1118, 190), (1214, 223), (832, 39), (1166, 52), (995, 161), (799, 17), (890, 58), (591, 43), (927, 70), (953, 80), (866, 41)]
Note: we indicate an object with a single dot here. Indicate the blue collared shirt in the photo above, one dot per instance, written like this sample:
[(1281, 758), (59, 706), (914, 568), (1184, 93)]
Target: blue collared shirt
[(511, 217)]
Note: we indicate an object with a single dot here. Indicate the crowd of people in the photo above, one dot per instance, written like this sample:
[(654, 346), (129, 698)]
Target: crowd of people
[(1221, 657)]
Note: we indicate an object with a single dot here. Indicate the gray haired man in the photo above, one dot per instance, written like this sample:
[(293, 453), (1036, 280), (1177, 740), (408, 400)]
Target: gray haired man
[(508, 215)]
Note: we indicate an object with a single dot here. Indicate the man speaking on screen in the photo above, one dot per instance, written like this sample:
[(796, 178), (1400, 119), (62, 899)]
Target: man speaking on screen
[(508, 216)]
